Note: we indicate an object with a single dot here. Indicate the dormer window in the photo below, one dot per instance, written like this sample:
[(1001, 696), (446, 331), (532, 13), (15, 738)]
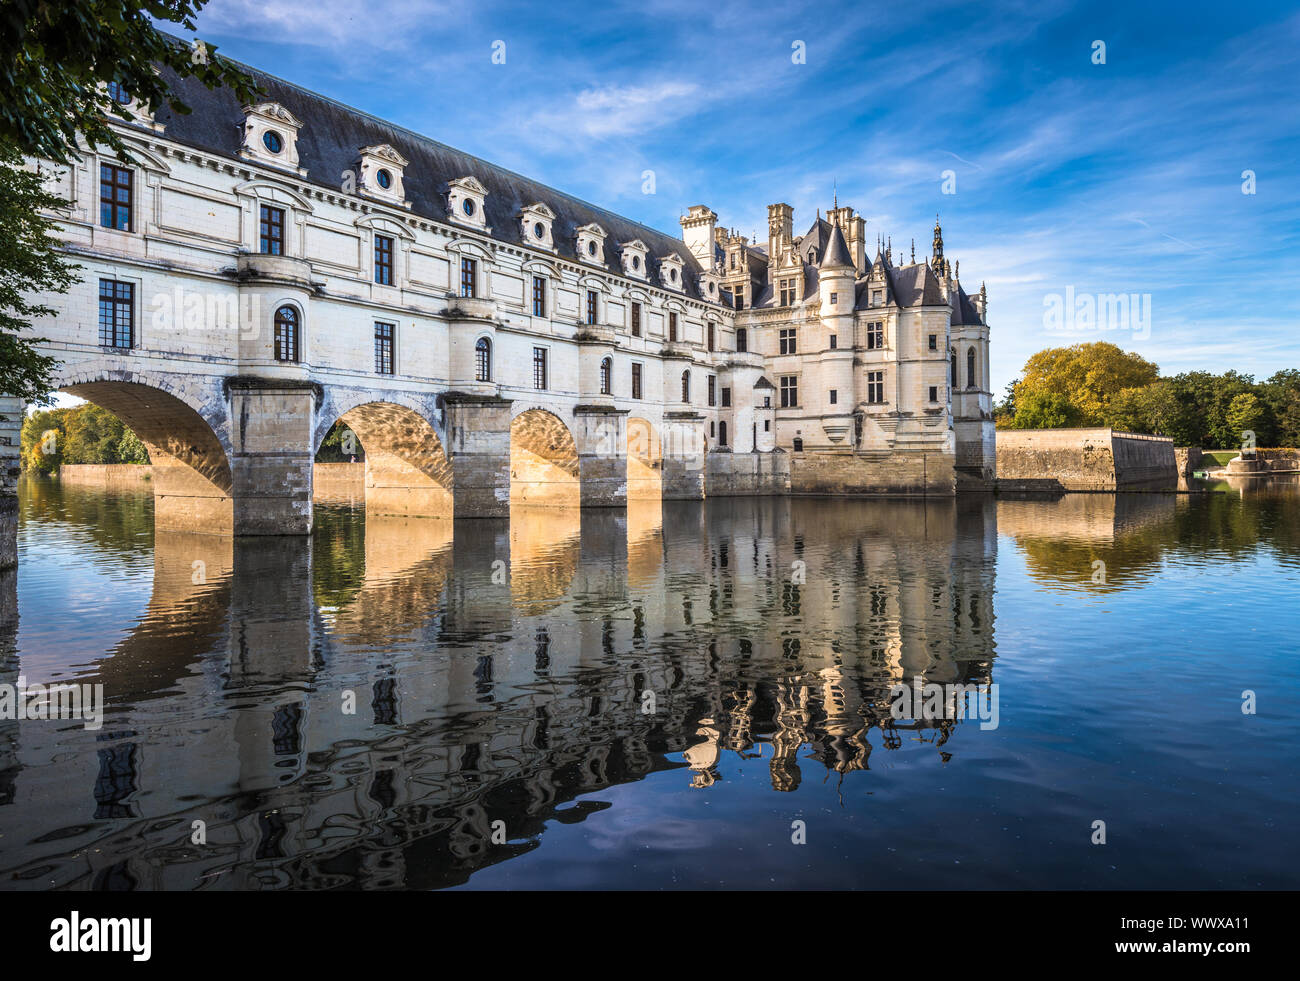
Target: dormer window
[(535, 222), (118, 93), (670, 270), (590, 244), (466, 200), (380, 170), (634, 255), (271, 136)]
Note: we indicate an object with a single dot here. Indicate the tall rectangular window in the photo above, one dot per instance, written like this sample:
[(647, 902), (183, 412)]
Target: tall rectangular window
[(713, 390), (539, 368), (271, 231), (934, 393), (383, 260), (593, 307), (383, 348), (636, 380), (468, 277), (742, 340), (115, 197), (789, 391), (835, 396), (539, 296), (636, 320), (875, 336), (672, 327), (740, 297), (787, 341), (116, 314), (875, 387), (711, 335), (835, 341), (726, 397), (934, 342), (787, 292)]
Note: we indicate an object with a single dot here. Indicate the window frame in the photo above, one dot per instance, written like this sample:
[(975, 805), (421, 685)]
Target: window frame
[(385, 248), (270, 230), (468, 277), (483, 359), (541, 369), (385, 348), (121, 298), (109, 175), (788, 387), (287, 348)]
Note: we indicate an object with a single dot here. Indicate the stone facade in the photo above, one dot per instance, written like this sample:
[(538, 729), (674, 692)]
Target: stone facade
[(486, 338)]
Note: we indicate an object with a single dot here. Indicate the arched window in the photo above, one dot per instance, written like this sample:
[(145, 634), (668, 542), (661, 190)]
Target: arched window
[(686, 386), (483, 360), (742, 339), (970, 368), (607, 376), (798, 445), (952, 380), (287, 338), (722, 433)]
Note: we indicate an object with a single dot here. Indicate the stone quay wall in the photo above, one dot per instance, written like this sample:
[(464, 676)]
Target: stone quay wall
[(1083, 460), (747, 474), (896, 474)]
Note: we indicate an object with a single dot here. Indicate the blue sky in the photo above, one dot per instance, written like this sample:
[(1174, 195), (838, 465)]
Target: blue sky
[(1123, 177)]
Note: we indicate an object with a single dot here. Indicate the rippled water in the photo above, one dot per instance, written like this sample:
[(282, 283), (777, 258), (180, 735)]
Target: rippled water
[(653, 699)]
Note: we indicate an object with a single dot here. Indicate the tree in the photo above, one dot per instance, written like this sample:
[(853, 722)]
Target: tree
[(41, 440), (1087, 376), (30, 262), (1046, 410), (1246, 415), (56, 60)]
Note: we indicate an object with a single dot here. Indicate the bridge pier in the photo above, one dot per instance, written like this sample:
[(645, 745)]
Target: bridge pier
[(683, 456), (271, 461), (478, 446), (11, 424), (600, 433)]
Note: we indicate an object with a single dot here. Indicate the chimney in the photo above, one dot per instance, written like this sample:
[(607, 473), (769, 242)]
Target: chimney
[(698, 230)]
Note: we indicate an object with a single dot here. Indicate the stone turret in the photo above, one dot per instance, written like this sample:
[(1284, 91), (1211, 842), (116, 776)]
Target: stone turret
[(698, 229)]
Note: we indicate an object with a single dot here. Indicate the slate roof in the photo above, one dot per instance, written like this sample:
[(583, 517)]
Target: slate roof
[(964, 311), (332, 134), (836, 252)]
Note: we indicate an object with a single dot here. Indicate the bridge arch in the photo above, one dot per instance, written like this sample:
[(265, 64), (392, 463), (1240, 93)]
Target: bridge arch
[(407, 469), (544, 469), (186, 431)]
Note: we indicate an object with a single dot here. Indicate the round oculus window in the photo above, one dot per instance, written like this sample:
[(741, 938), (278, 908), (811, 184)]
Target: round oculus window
[(271, 140), (539, 229), (468, 206), (672, 274), (636, 262), (385, 179), (591, 248)]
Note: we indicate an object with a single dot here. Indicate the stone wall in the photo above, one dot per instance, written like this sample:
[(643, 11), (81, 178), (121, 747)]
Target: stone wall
[(1083, 460), (1187, 459), (1280, 460), (106, 476), (339, 482), (898, 474), (11, 423), (747, 474)]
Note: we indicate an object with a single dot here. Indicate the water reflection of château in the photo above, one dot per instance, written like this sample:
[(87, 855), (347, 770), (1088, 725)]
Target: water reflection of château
[(483, 697)]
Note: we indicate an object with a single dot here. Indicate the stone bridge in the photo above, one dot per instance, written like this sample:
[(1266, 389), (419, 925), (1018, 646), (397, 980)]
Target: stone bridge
[(233, 452)]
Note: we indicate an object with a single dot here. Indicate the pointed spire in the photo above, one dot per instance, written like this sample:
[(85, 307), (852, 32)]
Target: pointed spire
[(835, 186), (937, 259), (837, 251), (913, 251)]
